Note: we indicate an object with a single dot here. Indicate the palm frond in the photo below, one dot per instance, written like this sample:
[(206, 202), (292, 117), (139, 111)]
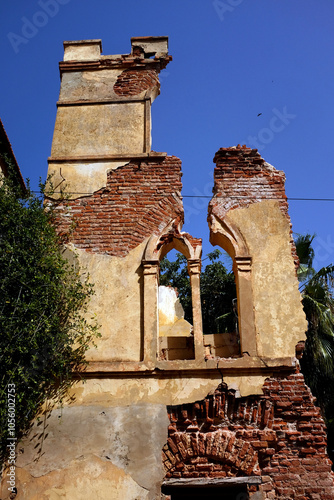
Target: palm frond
[(304, 248)]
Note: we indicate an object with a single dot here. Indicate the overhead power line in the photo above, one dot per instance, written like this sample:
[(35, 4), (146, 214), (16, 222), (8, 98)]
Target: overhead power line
[(258, 197), (211, 197)]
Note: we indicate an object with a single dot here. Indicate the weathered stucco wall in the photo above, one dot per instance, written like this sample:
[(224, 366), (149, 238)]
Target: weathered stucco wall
[(99, 129), (117, 303), (279, 318), (108, 84), (107, 443), (248, 217), (171, 314), (82, 50), (80, 179), (109, 449), (246, 385), (156, 389), (88, 477), (89, 85)]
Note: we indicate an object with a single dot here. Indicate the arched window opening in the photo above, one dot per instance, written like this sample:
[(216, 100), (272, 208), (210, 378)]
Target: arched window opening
[(227, 236), (219, 307), (159, 345), (175, 317)]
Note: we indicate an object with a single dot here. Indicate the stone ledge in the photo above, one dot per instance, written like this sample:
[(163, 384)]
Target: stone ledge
[(137, 156), (87, 102), (237, 366), (123, 61), (207, 482)]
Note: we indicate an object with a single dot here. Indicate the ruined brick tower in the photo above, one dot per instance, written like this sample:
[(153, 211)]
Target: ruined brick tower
[(166, 411)]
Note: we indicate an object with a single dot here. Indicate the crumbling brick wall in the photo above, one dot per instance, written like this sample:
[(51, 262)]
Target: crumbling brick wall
[(133, 82), (139, 199), (243, 177), (279, 436)]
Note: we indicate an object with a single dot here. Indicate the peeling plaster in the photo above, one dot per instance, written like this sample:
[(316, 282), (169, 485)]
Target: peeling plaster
[(127, 391), (80, 179), (246, 386), (85, 477)]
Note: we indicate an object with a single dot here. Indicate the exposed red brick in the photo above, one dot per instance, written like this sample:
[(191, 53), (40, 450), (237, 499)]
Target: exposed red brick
[(139, 199), (242, 177), (292, 461), (134, 81)]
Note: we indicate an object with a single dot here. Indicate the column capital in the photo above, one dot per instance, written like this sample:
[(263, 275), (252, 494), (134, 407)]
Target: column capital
[(243, 263), (194, 266), (150, 266)]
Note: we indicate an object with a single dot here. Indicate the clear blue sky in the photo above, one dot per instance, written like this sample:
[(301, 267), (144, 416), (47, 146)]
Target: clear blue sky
[(233, 59)]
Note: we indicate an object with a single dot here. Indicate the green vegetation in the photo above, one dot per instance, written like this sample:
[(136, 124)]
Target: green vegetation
[(43, 301)]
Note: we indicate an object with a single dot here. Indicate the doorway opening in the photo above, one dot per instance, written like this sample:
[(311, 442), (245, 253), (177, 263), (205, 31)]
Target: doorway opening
[(203, 493)]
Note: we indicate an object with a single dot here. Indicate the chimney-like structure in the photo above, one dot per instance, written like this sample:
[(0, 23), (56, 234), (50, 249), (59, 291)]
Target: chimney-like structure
[(104, 111)]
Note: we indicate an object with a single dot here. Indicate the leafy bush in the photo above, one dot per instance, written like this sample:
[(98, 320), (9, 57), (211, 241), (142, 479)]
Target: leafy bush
[(44, 333)]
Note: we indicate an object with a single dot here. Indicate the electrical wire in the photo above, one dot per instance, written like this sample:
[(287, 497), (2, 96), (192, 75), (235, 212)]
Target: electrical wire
[(215, 197)]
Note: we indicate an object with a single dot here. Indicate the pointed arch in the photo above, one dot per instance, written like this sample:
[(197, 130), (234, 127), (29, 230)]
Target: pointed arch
[(224, 233), (171, 237), (157, 247)]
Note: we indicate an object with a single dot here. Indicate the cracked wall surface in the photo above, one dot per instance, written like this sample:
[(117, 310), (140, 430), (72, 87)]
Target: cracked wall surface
[(115, 445), (249, 197)]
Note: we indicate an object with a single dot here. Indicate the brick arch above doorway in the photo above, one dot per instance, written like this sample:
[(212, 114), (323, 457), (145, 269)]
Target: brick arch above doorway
[(279, 436)]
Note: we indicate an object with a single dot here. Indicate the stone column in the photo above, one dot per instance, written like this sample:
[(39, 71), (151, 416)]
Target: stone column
[(247, 332), (151, 273), (194, 270)]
